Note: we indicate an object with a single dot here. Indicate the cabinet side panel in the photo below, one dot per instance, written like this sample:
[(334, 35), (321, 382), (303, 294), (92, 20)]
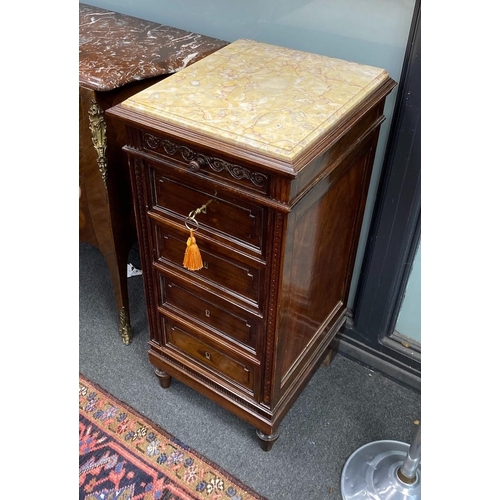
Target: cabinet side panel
[(89, 175), (87, 152), (322, 234)]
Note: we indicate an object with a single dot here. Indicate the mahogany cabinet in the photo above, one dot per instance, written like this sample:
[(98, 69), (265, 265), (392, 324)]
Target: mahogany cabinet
[(266, 153), (119, 56)]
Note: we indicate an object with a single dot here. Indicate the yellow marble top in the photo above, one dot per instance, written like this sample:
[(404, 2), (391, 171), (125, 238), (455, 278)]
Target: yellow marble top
[(264, 98)]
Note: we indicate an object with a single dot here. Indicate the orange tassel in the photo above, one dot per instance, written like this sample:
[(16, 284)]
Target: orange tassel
[(192, 256)]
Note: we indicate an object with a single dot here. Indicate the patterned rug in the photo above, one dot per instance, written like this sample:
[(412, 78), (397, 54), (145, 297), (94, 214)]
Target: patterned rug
[(124, 456)]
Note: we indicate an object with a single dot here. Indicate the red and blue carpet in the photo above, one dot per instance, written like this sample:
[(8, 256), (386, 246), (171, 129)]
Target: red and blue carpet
[(124, 456)]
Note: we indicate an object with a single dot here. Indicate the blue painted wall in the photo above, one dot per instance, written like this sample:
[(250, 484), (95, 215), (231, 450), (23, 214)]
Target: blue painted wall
[(408, 322)]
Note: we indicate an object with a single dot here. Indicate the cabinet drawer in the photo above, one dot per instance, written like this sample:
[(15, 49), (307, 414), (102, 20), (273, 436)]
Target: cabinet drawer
[(234, 220), (206, 164), (214, 359), (210, 311), (220, 267)]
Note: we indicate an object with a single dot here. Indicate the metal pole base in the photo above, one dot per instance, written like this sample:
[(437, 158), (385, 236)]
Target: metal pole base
[(371, 472)]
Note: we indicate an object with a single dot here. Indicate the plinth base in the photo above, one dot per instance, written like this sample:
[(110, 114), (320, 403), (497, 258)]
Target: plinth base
[(371, 472)]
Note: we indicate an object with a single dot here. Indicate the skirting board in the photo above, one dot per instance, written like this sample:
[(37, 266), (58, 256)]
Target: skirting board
[(374, 360)]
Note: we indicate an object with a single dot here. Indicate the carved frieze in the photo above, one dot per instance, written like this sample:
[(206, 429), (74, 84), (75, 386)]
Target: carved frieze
[(218, 165)]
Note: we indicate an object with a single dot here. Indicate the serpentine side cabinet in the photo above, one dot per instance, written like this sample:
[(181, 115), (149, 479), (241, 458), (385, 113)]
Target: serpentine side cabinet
[(266, 153), (119, 56)]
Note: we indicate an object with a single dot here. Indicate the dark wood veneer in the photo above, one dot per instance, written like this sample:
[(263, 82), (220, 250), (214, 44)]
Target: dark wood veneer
[(109, 74), (299, 249)]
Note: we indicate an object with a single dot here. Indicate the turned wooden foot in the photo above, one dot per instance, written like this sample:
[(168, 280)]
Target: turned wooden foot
[(267, 441), (164, 378)]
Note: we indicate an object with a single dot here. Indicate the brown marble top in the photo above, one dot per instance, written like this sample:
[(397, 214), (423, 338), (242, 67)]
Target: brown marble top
[(116, 49)]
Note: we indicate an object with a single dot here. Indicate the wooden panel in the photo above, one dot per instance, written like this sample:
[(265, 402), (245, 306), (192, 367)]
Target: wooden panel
[(213, 358), (106, 214), (118, 58), (224, 270), (86, 227), (320, 243), (220, 316), (226, 216), (205, 163), (250, 328)]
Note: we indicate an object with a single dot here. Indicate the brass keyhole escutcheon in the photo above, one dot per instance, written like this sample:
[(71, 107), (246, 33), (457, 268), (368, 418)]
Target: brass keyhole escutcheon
[(207, 313), (207, 355), (205, 264)]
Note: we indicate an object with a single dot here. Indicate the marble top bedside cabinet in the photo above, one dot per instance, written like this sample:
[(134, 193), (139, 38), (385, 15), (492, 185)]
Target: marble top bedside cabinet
[(266, 154), (119, 56)]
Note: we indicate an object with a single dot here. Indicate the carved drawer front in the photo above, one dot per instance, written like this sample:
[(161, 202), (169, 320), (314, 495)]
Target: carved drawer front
[(240, 278), (237, 222), (214, 359), (219, 316), (206, 164)]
